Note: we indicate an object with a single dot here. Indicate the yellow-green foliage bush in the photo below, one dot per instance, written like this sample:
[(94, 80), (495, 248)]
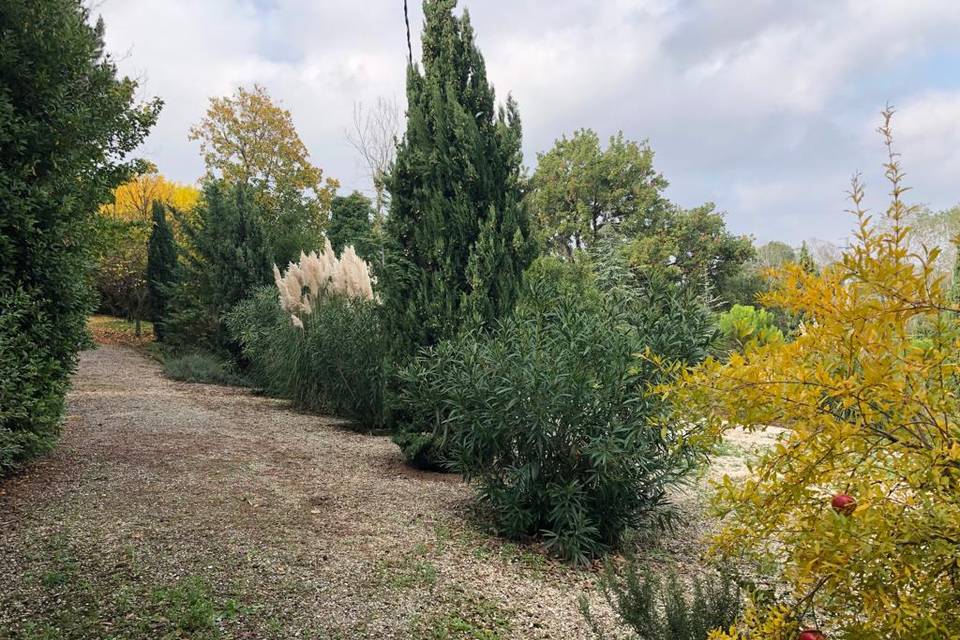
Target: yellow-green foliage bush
[(865, 413), (745, 324)]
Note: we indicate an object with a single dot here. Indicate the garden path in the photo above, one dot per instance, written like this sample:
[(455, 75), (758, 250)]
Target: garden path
[(203, 511)]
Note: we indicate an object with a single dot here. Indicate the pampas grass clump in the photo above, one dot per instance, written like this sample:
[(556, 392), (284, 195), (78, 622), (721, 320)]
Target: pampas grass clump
[(322, 274), (320, 342)]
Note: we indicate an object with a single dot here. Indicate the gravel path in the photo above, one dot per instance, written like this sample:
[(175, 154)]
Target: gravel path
[(174, 510)]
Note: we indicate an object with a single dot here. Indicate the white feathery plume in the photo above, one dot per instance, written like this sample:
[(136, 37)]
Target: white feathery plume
[(316, 275)]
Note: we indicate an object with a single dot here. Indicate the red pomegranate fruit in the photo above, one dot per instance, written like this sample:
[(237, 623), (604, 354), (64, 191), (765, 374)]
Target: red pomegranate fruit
[(811, 634), (843, 504)]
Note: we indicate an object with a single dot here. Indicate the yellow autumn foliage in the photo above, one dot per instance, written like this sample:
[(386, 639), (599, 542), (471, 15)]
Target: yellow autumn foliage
[(133, 200), (867, 409), (247, 138), (124, 232)]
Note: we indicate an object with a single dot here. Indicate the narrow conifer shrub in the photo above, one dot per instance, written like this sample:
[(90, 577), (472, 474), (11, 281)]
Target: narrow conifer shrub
[(161, 268), (656, 609), (550, 414)]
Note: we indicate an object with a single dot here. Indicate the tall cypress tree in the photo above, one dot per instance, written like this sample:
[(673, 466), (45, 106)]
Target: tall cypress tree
[(161, 268), (458, 237), (805, 260)]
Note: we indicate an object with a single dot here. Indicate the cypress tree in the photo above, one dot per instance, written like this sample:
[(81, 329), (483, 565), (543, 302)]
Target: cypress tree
[(805, 260), (458, 237), (161, 268)]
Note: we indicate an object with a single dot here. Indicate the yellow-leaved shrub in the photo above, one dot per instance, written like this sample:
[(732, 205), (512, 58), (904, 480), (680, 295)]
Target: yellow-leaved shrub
[(867, 410)]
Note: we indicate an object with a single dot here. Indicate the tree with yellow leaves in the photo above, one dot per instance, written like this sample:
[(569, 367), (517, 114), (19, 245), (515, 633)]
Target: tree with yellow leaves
[(858, 503), (133, 200), (247, 139), (123, 230)]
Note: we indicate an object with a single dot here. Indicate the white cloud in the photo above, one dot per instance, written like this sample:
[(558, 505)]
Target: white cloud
[(756, 105)]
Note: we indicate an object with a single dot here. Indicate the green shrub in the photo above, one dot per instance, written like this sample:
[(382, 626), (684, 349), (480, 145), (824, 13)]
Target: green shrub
[(66, 124), (657, 610), (32, 384), (551, 417), (334, 364), (744, 324), (203, 368)]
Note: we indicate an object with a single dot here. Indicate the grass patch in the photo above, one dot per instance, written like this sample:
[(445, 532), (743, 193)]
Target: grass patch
[(472, 618), (112, 330), (412, 570), (203, 368), (190, 608), (75, 589)]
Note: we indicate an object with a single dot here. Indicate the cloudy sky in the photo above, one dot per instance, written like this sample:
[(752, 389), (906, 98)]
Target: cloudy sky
[(765, 107)]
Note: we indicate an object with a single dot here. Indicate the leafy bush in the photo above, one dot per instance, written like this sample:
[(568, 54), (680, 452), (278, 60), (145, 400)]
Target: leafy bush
[(32, 383), (551, 417), (202, 367), (745, 324), (657, 610), (414, 410), (858, 505), (66, 124)]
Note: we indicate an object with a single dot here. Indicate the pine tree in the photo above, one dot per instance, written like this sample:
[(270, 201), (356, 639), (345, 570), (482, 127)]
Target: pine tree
[(458, 237), (228, 256), (161, 268)]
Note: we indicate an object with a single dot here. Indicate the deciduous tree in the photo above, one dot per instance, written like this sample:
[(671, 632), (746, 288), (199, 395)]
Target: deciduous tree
[(375, 134), (580, 188), (248, 139)]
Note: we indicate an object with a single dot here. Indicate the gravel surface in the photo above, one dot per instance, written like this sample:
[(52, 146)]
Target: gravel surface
[(175, 510), (293, 525)]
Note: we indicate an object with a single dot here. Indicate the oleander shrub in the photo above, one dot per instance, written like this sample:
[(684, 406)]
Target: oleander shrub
[(671, 609), (413, 412), (550, 414), (317, 338)]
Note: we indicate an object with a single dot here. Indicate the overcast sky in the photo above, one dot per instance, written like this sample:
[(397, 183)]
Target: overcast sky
[(765, 107)]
